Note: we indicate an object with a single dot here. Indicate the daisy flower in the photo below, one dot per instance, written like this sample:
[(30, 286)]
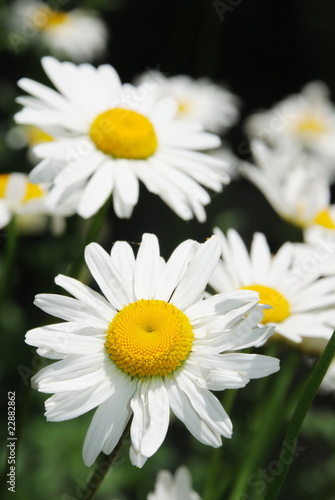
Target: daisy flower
[(27, 202), (110, 136), (302, 302), (178, 487), (152, 343), (292, 185), (59, 31), (306, 120), (203, 101)]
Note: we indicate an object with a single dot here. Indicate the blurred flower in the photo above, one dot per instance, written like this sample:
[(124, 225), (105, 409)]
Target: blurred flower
[(202, 101), (78, 34), (27, 202), (306, 120), (302, 302), (178, 487), (292, 185), (119, 136), (22, 136), (152, 344)]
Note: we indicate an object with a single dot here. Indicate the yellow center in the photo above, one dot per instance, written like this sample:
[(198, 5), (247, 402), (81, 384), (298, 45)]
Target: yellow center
[(311, 124), (149, 338), (3, 184), (183, 107), (273, 298), (324, 219), (45, 18), (32, 190), (124, 134), (37, 136)]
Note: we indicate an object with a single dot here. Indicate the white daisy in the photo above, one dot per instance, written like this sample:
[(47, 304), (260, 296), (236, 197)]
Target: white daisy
[(119, 136), (302, 302), (59, 31), (178, 487), (150, 345), (292, 185), (203, 101), (306, 120), (27, 202)]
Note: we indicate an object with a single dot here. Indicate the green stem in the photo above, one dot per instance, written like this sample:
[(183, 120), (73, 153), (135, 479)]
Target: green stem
[(293, 429), (102, 467), (268, 420), (93, 231)]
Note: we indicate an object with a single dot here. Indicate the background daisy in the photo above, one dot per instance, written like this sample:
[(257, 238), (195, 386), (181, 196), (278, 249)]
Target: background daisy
[(26, 202), (306, 120), (302, 302), (203, 101), (61, 32), (175, 487)]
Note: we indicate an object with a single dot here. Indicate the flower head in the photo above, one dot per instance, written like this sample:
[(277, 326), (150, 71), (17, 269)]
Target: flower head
[(178, 487), (61, 32), (151, 344), (292, 184), (27, 202), (108, 136), (305, 120), (203, 101), (301, 299)]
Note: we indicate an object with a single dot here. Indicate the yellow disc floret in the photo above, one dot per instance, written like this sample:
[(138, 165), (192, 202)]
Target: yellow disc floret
[(271, 297), (3, 184), (311, 124), (45, 18), (32, 191), (149, 338), (37, 136), (324, 219), (123, 133)]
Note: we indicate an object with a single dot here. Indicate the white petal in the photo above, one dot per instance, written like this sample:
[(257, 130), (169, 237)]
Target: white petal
[(158, 417), (206, 405), (260, 257), (182, 408), (68, 405), (109, 420), (108, 278), (221, 304), (175, 268), (97, 191), (147, 267), (67, 343), (88, 296), (191, 287), (69, 309)]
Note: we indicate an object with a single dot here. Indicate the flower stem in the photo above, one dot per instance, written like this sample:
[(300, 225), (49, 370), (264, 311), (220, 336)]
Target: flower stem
[(268, 421), (93, 231), (300, 412), (102, 467)]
